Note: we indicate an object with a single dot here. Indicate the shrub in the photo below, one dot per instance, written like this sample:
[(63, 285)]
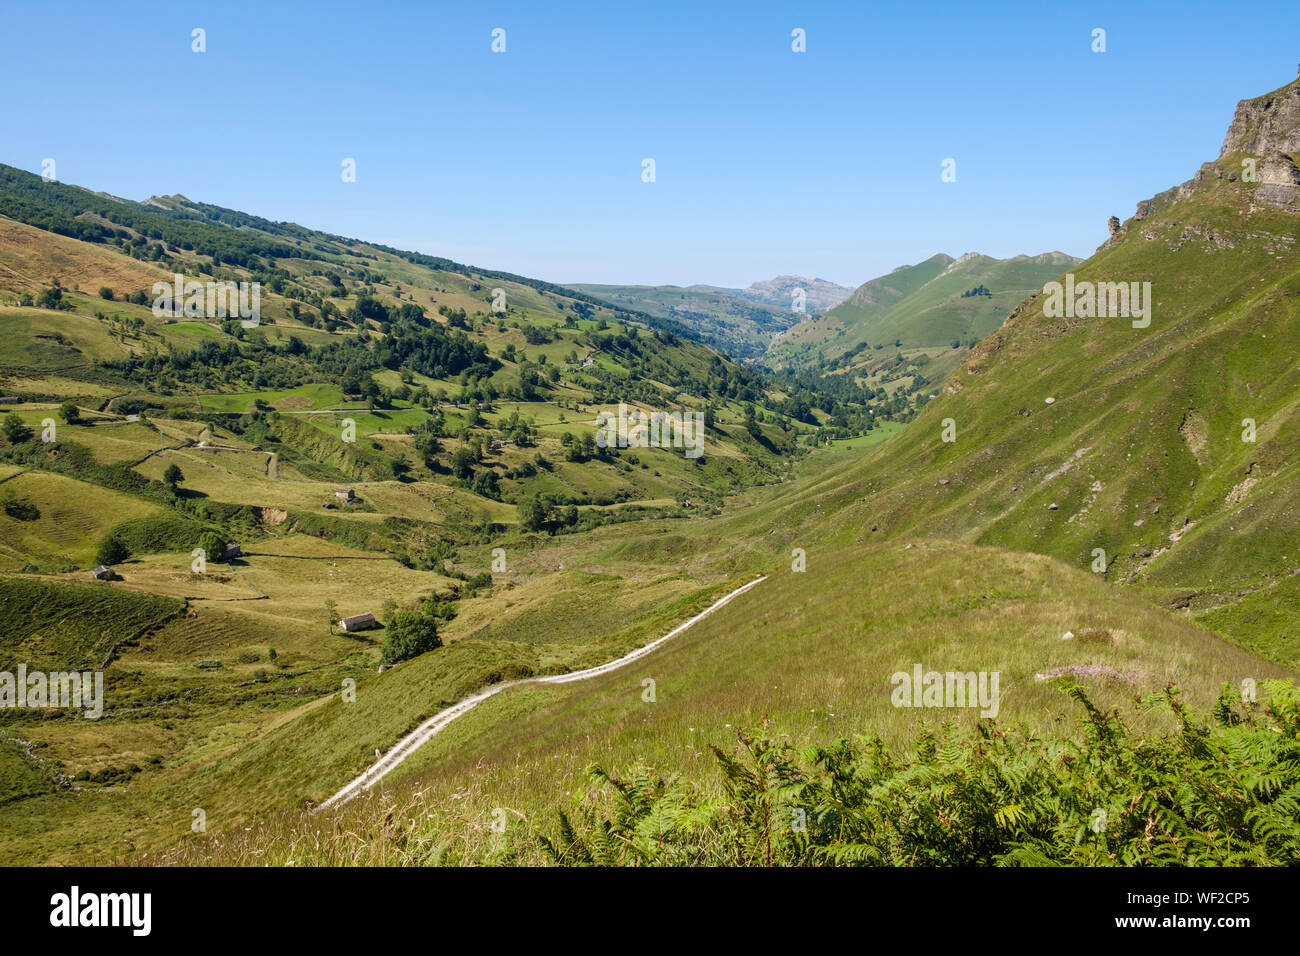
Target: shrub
[(15, 429), (410, 634), (1218, 793), (111, 551)]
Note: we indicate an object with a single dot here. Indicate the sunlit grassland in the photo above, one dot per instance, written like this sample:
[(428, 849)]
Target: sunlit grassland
[(809, 654), (43, 340), (314, 396), (882, 432), (162, 704), (30, 256), (115, 440), (189, 332), (73, 516), (56, 385), (250, 758)]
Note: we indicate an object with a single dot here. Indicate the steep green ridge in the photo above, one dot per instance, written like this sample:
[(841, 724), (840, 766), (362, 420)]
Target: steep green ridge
[(1075, 434), (938, 302)]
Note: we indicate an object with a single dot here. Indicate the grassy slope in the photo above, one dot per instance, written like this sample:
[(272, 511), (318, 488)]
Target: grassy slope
[(1141, 450), (809, 654), (921, 305)]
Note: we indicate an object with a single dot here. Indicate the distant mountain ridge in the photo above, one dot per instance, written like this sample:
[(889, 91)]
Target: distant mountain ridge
[(819, 294)]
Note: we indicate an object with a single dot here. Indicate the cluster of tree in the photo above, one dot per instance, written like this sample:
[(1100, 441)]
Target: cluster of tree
[(546, 513), (253, 360), (368, 307), (456, 318), (579, 447), (51, 297)]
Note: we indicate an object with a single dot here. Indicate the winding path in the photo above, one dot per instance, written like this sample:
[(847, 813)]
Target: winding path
[(431, 727)]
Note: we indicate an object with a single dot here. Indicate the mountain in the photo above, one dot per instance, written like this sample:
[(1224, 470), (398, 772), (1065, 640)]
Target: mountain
[(739, 326), (1170, 446), (1117, 506), (967, 542), (782, 291), (740, 322), (941, 302)]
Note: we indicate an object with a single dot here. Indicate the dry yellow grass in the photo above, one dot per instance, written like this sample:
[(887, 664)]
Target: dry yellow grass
[(31, 257)]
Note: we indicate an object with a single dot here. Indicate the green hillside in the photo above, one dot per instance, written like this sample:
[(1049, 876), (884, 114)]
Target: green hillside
[(803, 660), (1075, 434), (1113, 452), (1097, 505), (939, 302)]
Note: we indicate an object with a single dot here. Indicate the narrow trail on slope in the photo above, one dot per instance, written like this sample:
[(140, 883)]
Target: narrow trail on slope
[(434, 725)]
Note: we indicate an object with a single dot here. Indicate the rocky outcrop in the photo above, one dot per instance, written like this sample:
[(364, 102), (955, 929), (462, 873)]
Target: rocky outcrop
[(1267, 129), (1266, 124)]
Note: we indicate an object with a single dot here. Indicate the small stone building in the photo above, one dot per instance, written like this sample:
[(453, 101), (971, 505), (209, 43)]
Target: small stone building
[(358, 622)]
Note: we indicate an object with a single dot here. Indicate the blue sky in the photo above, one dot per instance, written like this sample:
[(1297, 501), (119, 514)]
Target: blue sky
[(825, 163)]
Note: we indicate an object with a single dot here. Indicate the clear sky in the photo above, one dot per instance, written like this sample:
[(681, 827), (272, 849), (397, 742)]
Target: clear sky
[(824, 163)]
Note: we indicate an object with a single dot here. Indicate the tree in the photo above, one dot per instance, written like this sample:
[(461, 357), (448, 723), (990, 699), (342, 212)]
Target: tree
[(51, 298), (69, 413), (15, 429), (410, 634), (331, 613), (111, 551), (462, 462), (173, 475), (486, 484), (106, 293), (533, 514), (213, 545)]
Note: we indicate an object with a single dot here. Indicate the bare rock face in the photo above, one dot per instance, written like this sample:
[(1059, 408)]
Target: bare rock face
[(1266, 124), (1279, 182), (1268, 128), (1113, 225)]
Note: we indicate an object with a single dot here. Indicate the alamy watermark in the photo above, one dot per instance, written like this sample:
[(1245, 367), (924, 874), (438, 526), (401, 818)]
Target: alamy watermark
[(192, 299), (129, 910), (632, 428), (1102, 300), (59, 690), (951, 689)]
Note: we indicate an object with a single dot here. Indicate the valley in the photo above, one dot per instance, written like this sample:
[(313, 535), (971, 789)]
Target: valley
[(398, 560)]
